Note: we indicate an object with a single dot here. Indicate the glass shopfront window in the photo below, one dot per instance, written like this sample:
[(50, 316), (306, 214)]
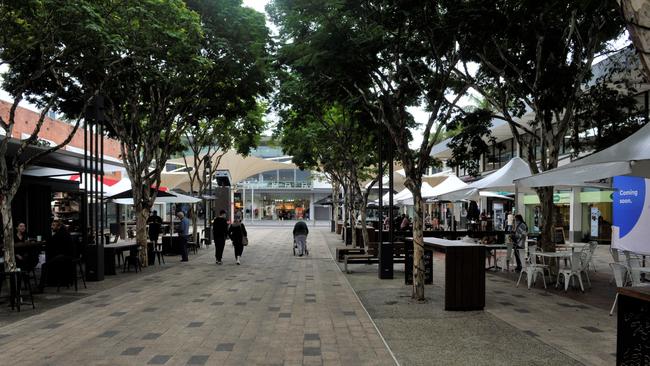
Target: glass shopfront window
[(286, 175), (303, 176), (270, 176)]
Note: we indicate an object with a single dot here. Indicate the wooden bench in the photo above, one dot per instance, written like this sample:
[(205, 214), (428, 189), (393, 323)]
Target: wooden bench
[(371, 256), (341, 252)]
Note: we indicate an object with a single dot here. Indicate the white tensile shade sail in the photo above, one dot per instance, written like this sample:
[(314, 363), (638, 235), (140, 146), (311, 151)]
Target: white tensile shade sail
[(628, 157), (240, 168), (501, 180), (408, 200), (452, 183)]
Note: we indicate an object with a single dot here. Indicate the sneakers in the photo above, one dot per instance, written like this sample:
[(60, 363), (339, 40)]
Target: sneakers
[(238, 263), (219, 262)]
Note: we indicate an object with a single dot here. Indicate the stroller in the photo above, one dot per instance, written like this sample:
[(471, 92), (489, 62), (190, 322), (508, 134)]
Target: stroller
[(295, 247)]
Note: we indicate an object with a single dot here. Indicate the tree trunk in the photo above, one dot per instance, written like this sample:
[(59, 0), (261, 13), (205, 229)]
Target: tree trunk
[(7, 225), (546, 200), (364, 227), (141, 233), (193, 213), (418, 248), (637, 13), (353, 227), (336, 191), (142, 206)]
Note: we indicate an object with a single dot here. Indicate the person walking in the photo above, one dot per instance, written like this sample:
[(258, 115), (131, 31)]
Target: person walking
[(519, 238), (237, 233), (300, 232), (220, 234), (183, 234)]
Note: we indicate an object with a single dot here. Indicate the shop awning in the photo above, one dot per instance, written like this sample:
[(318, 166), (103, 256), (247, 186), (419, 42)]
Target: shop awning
[(59, 162)]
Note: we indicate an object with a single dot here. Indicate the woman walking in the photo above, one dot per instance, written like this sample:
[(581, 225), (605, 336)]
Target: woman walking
[(237, 233)]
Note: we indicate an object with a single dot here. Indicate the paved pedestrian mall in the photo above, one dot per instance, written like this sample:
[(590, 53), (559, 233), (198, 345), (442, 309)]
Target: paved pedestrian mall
[(277, 309)]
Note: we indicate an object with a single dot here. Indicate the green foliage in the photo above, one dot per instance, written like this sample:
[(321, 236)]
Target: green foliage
[(472, 140), (384, 55), (49, 48), (536, 56)]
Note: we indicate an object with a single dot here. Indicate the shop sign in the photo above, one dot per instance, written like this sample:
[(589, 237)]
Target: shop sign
[(558, 198), (631, 211)]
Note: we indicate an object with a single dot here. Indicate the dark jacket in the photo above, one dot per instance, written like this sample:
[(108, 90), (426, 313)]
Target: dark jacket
[(236, 231), (18, 240), (300, 228), (59, 244), (155, 222), (219, 228)]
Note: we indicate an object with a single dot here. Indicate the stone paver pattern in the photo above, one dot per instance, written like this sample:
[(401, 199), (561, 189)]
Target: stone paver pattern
[(273, 309)]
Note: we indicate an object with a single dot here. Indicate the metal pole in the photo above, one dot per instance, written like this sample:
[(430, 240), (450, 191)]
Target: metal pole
[(381, 195)]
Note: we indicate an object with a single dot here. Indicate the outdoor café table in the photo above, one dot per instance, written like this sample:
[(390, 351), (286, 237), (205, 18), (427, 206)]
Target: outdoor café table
[(109, 254), (171, 244), (572, 246), (493, 253), (464, 273), (564, 254)]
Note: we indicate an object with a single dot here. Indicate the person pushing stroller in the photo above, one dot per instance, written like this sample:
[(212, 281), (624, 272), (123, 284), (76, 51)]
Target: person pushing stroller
[(300, 232)]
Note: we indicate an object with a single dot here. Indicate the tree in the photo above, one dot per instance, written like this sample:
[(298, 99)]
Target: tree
[(637, 16), (308, 130), (391, 56), (43, 60), (211, 140), (175, 67), (533, 57), (157, 69)]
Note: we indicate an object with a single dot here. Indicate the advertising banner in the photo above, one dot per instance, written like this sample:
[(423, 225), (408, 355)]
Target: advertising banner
[(631, 210), (595, 214)]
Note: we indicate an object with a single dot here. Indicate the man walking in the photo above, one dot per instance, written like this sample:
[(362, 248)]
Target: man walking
[(183, 234), (219, 233)]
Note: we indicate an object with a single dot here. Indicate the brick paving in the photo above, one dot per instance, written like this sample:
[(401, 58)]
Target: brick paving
[(274, 309), (538, 326)]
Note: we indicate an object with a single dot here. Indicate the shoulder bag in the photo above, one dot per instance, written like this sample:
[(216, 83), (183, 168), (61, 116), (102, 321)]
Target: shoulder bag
[(244, 239)]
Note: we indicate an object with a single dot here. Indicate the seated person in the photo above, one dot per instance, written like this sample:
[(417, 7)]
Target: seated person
[(58, 252), (20, 236)]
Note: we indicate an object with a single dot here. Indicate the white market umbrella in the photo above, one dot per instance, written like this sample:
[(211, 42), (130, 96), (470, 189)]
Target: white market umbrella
[(502, 180), (452, 183)]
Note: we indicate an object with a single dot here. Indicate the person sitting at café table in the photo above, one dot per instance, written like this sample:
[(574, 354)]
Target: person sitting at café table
[(58, 250), (20, 236)]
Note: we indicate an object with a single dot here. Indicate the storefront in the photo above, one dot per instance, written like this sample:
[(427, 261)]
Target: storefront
[(583, 214), (273, 206)]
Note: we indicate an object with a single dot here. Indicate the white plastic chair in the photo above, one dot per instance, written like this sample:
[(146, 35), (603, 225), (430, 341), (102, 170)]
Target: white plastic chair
[(507, 259), (531, 269), (593, 245), (578, 266), (620, 274), (616, 257)]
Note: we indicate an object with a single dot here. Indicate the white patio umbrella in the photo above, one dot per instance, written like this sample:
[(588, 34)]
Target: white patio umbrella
[(502, 180), (452, 183)]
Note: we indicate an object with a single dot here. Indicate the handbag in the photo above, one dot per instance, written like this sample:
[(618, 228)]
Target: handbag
[(244, 239)]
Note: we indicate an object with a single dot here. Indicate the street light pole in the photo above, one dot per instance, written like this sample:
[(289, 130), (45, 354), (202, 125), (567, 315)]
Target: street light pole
[(206, 177)]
